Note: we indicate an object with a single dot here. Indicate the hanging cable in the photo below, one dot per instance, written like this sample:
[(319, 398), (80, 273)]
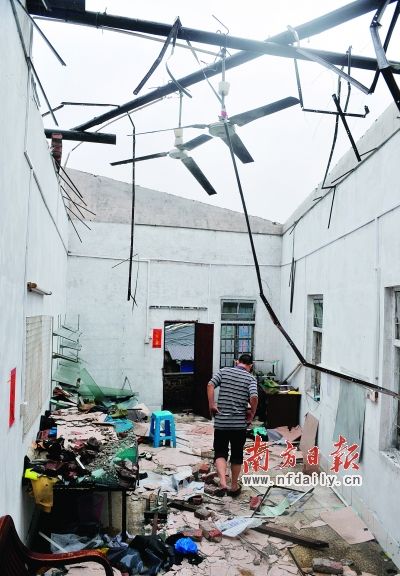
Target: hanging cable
[(132, 214)]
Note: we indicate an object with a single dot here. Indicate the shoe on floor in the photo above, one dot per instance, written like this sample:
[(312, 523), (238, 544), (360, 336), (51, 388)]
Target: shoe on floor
[(234, 493), (220, 492)]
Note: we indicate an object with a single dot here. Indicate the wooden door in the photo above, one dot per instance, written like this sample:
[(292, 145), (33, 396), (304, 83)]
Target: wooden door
[(203, 366)]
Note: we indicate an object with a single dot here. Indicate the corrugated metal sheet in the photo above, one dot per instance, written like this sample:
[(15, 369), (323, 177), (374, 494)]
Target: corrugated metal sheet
[(180, 352)]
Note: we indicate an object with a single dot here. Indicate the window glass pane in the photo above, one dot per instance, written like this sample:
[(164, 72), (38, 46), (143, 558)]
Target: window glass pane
[(246, 310), (235, 311), (318, 313), (245, 331), (227, 331), (229, 307), (244, 346), (236, 339), (227, 360), (317, 347), (316, 384), (227, 346), (397, 315)]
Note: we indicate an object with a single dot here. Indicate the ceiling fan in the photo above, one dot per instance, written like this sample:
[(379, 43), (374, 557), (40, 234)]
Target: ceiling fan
[(179, 152), (217, 129)]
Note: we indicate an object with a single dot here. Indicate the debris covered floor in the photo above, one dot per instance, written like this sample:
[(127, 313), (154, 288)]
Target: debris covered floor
[(251, 553)]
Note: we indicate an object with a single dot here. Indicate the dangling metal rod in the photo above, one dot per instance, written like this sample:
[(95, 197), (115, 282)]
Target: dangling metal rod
[(384, 67), (29, 61), (132, 213), (346, 127), (77, 217), (271, 312), (276, 45), (170, 38), (330, 158), (335, 134), (74, 227), (386, 43), (70, 183), (300, 91), (42, 34)]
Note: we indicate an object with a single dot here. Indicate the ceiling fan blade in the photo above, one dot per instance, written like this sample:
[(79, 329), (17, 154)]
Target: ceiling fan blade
[(239, 148), (140, 158), (250, 115), (198, 174), (191, 144)]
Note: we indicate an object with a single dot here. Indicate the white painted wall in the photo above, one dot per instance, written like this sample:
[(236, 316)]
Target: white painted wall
[(192, 255), (351, 264), (33, 239), (180, 264)]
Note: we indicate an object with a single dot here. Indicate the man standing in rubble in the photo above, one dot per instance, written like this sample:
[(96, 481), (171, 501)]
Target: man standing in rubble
[(237, 387)]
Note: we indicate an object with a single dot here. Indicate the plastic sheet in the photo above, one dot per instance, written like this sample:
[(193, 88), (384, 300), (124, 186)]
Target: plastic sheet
[(186, 546)]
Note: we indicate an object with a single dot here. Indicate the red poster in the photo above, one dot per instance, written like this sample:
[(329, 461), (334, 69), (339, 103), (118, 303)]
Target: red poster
[(13, 378), (157, 337)]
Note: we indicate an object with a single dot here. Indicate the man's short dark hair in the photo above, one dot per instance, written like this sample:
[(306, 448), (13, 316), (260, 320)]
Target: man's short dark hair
[(246, 359)]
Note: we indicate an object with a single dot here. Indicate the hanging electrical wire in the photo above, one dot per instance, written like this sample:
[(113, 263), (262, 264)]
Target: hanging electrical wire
[(132, 215)]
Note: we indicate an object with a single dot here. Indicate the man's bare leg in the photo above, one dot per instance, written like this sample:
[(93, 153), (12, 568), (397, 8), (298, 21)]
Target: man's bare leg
[(235, 471), (220, 464)]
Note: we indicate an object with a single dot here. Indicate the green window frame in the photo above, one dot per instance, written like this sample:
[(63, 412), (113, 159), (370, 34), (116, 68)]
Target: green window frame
[(237, 330)]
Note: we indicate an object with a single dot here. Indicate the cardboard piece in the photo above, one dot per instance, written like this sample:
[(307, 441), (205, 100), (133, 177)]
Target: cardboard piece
[(237, 525), (308, 440), (348, 525)]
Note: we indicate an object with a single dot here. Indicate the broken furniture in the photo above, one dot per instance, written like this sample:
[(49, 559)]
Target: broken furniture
[(83, 453), (17, 560), (279, 409), (162, 427)]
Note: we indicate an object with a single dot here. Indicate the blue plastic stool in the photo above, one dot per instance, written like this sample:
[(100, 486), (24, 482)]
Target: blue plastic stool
[(167, 433)]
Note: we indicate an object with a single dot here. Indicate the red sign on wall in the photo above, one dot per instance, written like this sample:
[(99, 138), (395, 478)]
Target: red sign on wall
[(11, 414), (157, 337)]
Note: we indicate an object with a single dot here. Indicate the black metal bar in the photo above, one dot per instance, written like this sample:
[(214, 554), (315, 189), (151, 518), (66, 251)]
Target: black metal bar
[(42, 34), (28, 60), (104, 20), (333, 201), (77, 217), (386, 42), (71, 184), (335, 134), (77, 104), (392, 85), (346, 127), (80, 136), (306, 30), (171, 36), (132, 212), (73, 226), (317, 58), (384, 67), (295, 538), (352, 115), (269, 308), (293, 278)]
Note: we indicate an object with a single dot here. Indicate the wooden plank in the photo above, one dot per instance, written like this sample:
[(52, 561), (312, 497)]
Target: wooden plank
[(295, 538)]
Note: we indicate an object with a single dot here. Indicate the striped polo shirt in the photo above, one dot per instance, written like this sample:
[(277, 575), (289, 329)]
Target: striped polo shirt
[(236, 387)]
